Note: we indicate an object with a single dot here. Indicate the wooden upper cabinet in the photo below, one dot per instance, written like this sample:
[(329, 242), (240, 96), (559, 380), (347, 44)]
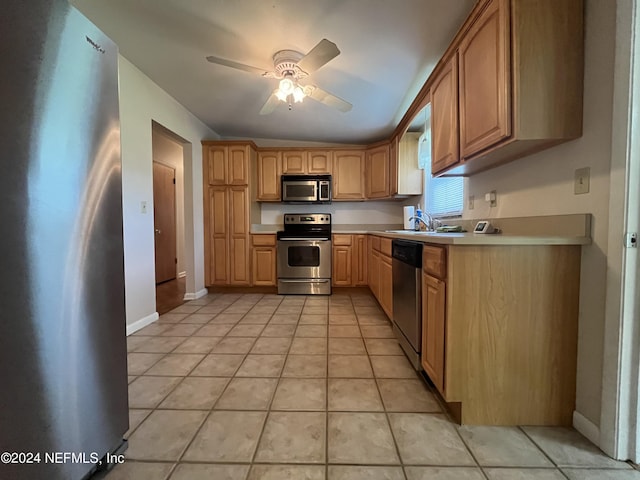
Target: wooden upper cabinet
[(394, 166), (485, 80), (319, 161), (268, 173), (444, 118), (217, 164), (238, 172), (348, 178), (227, 164), (377, 172), (294, 162)]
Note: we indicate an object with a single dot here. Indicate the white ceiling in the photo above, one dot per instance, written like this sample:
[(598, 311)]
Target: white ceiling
[(388, 48)]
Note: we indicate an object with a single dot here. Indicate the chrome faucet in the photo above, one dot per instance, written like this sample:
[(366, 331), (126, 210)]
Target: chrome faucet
[(430, 224)]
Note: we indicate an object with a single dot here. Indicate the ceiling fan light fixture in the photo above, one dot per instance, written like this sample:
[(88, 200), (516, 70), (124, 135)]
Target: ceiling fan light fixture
[(281, 96), (287, 86), (298, 94)]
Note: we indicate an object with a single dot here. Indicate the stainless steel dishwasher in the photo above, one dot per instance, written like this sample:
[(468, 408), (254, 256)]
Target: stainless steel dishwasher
[(407, 297)]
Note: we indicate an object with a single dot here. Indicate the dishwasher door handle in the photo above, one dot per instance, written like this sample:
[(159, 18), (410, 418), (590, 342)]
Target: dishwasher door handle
[(308, 280)]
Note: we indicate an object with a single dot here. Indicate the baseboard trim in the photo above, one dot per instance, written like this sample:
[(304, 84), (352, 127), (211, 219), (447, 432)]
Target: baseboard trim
[(586, 427), (143, 322), (182, 274), (195, 296)]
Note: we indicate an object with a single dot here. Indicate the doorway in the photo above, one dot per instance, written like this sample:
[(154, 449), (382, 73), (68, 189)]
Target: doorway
[(168, 214)]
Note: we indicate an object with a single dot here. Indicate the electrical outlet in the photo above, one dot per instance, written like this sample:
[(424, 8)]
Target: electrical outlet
[(581, 181), (492, 198), (470, 202), (143, 207)]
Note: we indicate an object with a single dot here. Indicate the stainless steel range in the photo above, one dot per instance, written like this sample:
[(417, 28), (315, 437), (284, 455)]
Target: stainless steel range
[(304, 254)]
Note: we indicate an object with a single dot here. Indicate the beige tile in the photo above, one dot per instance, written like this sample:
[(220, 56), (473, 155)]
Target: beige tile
[(308, 346), (369, 310), (314, 319), (261, 366), (523, 474), (227, 318), (427, 439), (136, 416), (186, 309), (197, 345), (360, 438), (315, 310), (346, 346), (153, 329), (233, 345), (296, 437), (342, 310), (406, 395), (289, 310), (160, 344), (186, 471), (164, 434), (344, 331), (278, 331), (246, 331), (311, 331), (342, 319), (227, 437), (138, 363), (134, 341), (443, 473), (339, 472), (377, 331), (195, 393), (255, 319), (131, 378), (300, 394), (198, 318), (287, 472), (264, 309), (148, 392), (172, 317), (284, 319), (247, 394), (349, 366), (355, 395), (388, 366), (271, 345), (363, 301), (601, 474), (373, 320), (175, 364), (211, 330), (181, 330), (567, 448), (383, 346), (138, 470), (502, 447), (211, 308), (305, 366), (218, 365)]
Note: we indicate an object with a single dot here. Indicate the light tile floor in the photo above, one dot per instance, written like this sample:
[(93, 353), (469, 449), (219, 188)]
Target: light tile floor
[(268, 387)]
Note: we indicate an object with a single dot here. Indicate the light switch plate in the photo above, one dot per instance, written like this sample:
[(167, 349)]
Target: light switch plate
[(581, 181)]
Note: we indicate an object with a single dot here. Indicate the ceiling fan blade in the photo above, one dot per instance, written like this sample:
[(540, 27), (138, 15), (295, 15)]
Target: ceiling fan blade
[(269, 105), (322, 53), (239, 66), (327, 98)]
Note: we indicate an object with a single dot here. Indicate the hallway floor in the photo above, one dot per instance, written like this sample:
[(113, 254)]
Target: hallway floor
[(268, 387)]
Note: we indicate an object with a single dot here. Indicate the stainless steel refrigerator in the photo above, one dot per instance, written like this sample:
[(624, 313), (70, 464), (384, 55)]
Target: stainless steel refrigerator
[(63, 383)]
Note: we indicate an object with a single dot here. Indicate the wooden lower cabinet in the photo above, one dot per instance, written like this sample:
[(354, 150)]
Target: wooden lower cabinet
[(349, 260), (386, 285), (359, 258), (380, 271), (263, 260), (500, 331)]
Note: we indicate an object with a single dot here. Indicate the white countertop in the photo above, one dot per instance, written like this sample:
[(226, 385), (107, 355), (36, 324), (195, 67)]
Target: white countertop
[(484, 239)]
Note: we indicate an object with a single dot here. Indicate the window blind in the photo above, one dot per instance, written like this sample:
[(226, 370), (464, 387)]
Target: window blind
[(444, 196)]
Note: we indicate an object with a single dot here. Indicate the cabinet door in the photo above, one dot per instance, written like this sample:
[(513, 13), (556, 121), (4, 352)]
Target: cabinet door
[(433, 329), (341, 265), (359, 254), (239, 235), (386, 285), (218, 235), (238, 170), (374, 274), (294, 162), (485, 81), (319, 161), (444, 118), (393, 166), (377, 172), (348, 175), (269, 165), (264, 266), (216, 156)]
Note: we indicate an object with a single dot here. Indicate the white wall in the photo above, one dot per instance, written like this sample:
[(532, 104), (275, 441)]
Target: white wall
[(341, 212), (170, 153), (542, 184), (141, 102)]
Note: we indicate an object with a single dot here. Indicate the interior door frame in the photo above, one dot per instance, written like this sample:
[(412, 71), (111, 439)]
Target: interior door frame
[(618, 433)]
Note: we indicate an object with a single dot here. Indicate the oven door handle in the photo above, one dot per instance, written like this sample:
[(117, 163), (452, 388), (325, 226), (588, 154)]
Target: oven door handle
[(303, 239), (305, 280)]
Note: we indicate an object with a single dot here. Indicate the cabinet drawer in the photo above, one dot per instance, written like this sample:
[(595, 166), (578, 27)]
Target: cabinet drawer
[(375, 243), (434, 261), (385, 246), (265, 240), (341, 239)]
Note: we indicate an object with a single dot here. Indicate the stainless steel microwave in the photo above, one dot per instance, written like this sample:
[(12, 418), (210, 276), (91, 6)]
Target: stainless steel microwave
[(306, 188)]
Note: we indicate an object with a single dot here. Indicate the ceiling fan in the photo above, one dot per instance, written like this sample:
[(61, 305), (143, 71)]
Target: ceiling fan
[(290, 67)]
